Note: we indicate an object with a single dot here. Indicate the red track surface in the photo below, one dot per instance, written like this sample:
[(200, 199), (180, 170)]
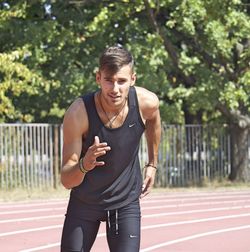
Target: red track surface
[(216, 221)]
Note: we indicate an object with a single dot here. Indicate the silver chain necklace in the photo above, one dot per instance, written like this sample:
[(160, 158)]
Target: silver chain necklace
[(111, 121)]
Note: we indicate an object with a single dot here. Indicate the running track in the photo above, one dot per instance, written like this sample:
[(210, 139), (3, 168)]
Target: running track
[(198, 221)]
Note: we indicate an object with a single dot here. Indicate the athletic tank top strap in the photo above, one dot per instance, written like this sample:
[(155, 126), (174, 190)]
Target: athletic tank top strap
[(89, 102), (134, 104), (132, 97)]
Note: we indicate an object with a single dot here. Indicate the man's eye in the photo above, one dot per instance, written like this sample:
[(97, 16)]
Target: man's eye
[(121, 81)]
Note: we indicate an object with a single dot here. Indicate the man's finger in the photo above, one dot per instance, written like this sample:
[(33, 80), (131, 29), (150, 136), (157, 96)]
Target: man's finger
[(99, 163), (99, 153), (97, 140), (145, 182), (143, 187)]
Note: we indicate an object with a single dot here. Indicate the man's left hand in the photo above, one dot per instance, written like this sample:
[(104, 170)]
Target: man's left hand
[(148, 181)]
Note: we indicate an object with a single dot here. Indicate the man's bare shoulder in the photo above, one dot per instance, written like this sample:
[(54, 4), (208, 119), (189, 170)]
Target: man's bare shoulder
[(76, 109), (146, 98), (148, 102), (75, 117)]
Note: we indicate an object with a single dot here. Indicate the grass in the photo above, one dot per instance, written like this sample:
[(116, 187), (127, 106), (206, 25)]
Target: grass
[(21, 194)]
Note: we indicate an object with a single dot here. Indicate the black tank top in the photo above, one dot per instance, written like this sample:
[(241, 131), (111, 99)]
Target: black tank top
[(119, 181)]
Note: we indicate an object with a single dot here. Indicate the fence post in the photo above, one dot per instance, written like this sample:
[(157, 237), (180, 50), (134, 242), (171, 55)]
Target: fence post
[(56, 155)]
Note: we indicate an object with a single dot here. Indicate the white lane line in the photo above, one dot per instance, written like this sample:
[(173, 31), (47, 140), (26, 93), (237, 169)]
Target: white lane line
[(33, 210), (195, 204), (195, 221), (194, 199), (143, 216), (35, 200), (142, 208), (32, 218), (33, 204), (57, 244), (170, 194), (191, 237), (30, 230), (143, 228), (150, 227), (195, 211), (147, 200), (52, 245)]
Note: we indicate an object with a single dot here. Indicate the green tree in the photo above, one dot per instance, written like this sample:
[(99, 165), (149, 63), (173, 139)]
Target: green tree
[(193, 53), (44, 62), (208, 43)]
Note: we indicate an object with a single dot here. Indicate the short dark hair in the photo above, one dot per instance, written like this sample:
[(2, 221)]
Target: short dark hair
[(114, 58)]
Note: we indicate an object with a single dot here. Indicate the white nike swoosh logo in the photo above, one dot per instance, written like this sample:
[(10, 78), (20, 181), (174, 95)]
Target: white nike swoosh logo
[(131, 125), (133, 236)]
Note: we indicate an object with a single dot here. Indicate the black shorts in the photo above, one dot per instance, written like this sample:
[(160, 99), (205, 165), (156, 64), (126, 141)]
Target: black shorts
[(82, 223)]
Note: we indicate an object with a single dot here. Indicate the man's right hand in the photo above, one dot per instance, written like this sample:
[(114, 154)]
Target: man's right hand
[(96, 150)]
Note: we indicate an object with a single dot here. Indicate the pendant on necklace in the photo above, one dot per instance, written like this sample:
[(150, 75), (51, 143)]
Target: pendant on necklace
[(110, 121)]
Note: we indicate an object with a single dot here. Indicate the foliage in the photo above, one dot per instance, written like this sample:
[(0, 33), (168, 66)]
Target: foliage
[(194, 54), (46, 72)]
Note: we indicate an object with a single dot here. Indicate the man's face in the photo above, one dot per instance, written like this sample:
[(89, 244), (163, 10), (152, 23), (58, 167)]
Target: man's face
[(115, 87)]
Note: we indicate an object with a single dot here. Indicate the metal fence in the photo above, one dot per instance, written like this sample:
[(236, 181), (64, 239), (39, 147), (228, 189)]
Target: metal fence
[(192, 154), (30, 155)]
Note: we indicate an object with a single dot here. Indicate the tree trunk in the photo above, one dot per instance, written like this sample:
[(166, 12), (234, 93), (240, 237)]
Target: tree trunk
[(240, 165)]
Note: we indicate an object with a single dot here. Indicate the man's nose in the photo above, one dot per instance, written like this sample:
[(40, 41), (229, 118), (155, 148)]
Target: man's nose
[(115, 86)]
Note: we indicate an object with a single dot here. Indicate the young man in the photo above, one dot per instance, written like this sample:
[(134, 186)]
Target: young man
[(102, 132)]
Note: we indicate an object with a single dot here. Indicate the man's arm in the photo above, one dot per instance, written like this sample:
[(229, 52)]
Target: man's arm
[(75, 127), (149, 106)]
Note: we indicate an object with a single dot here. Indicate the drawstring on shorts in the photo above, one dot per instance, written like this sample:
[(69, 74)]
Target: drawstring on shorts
[(109, 226), (116, 221)]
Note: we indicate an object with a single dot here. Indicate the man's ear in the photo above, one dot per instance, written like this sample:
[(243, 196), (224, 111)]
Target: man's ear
[(133, 79), (98, 77)]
